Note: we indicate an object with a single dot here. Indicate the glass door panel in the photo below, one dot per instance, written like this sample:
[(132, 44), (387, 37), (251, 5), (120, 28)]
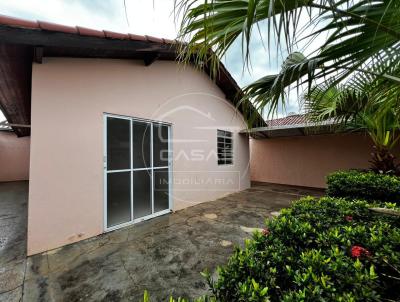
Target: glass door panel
[(160, 145), (141, 193), (161, 189), (141, 135), (118, 198), (118, 144)]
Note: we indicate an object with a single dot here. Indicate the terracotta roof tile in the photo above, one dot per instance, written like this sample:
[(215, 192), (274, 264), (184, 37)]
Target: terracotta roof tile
[(115, 35), (83, 31), (154, 39), (296, 119), (11, 21), (169, 41), (57, 27), (137, 37)]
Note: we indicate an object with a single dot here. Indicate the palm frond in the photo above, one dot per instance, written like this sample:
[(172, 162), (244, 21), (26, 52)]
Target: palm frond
[(362, 36), (365, 102), (269, 91)]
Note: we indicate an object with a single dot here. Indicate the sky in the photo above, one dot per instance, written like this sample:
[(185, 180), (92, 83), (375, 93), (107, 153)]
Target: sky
[(150, 17)]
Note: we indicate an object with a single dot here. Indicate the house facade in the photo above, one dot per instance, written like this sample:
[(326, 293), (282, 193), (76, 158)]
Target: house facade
[(111, 130), (124, 142), (119, 131)]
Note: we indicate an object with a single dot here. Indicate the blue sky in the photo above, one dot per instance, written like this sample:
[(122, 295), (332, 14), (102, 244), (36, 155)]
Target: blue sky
[(144, 17)]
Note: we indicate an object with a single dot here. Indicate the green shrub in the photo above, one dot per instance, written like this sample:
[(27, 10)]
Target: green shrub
[(364, 185), (324, 249)]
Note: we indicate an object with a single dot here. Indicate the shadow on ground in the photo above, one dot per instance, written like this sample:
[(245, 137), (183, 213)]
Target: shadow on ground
[(164, 255)]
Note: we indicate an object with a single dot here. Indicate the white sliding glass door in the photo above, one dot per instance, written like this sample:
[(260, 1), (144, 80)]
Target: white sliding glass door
[(137, 169)]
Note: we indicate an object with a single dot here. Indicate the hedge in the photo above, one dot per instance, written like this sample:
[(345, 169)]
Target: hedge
[(318, 250), (364, 185), (327, 249)]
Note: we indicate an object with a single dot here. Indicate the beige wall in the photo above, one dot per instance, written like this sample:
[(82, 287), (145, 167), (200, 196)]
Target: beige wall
[(69, 97), (305, 161), (14, 157)]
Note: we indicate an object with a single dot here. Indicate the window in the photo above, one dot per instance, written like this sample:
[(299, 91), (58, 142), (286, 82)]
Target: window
[(224, 145)]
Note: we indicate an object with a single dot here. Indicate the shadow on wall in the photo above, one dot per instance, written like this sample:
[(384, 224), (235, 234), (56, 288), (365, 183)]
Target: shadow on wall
[(14, 157), (306, 160)]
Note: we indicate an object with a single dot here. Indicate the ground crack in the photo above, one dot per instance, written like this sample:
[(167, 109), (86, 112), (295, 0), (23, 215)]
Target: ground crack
[(126, 270)]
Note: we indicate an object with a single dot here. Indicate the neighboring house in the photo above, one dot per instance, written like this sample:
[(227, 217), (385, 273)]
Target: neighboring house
[(295, 151), (14, 155), (119, 131)]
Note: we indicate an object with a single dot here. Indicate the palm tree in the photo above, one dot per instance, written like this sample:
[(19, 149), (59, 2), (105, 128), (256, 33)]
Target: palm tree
[(362, 36), (362, 103)]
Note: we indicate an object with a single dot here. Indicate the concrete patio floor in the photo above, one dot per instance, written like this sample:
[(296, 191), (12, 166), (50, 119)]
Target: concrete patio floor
[(164, 255)]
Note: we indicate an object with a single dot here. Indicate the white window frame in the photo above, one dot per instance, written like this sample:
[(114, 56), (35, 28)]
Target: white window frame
[(131, 170), (225, 158)]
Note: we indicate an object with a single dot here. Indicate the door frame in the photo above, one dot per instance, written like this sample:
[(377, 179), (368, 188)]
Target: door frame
[(152, 168)]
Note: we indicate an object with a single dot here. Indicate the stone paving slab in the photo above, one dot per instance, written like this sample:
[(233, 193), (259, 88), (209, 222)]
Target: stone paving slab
[(164, 255), (13, 223)]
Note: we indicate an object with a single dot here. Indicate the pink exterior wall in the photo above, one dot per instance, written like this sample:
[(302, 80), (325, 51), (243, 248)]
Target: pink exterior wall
[(69, 97), (14, 157), (305, 161)]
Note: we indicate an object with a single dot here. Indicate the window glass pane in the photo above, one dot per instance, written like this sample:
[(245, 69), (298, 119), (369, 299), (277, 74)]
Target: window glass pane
[(118, 151), (141, 193), (141, 144), (118, 198), (161, 190), (160, 147), (224, 147)]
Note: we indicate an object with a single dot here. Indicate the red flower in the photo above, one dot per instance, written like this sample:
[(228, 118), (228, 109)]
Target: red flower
[(358, 251), (348, 218), (265, 232)]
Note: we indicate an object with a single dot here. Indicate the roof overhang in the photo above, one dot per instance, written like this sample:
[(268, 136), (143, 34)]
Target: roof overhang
[(23, 42)]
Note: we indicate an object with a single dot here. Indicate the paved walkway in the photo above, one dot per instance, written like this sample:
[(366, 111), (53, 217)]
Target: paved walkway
[(164, 255), (13, 218)]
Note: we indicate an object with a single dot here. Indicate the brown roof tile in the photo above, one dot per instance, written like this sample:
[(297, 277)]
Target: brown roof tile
[(83, 31), (115, 35), (295, 119), (11, 21), (137, 37), (154, 39), (57, 27), (169, 41)]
